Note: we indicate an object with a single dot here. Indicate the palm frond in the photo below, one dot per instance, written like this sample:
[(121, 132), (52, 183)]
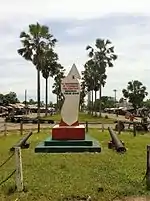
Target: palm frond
[(21, 51), (34, 30), (24, 35), (108, 42), (100, 43), (111, 49), (88, 47), (110, 64), (54, 41), (44, 30), (27, 55), (90, 54), (114, 56)]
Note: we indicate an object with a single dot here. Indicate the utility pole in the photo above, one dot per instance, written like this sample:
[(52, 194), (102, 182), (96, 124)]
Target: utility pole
[(100, 96), (25, 97), (115, 91)]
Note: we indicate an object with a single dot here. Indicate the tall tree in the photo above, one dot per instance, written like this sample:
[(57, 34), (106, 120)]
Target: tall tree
[(135, 93), (34, 44), (57, 87), (147, 103), (92, 81), (82, 95), (1, 99), (103, 56), (106, 101), (30, 102), (49, 69), (88, 79), (10, 98)]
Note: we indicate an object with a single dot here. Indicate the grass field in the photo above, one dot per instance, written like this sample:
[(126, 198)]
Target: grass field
[(84, 117), (73, 177)]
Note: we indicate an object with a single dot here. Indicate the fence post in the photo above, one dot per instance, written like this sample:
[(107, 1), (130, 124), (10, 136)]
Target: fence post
[(134, 129), (21, 127), (5, 129), (19, 174), (38, 124), (148, 168), (102, 127), (86, 128), (119, 127)]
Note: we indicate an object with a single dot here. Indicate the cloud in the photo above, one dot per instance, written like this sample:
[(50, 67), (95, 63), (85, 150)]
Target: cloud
[(77, 31), (71, 9), (76, 24)]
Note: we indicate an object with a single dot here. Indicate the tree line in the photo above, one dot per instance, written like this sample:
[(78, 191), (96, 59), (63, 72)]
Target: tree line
[(9, 98), (135, 94)]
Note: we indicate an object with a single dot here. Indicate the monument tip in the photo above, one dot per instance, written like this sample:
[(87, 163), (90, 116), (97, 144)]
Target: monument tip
[(74, 72)]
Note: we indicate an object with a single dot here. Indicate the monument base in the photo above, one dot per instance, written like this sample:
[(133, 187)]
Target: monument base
[(68, 132), (68, 146)]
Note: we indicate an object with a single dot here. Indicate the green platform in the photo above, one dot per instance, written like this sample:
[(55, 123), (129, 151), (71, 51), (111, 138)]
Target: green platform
[(63, 146)]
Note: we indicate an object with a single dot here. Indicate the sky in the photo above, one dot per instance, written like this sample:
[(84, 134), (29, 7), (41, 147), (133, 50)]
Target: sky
[(76, 24)]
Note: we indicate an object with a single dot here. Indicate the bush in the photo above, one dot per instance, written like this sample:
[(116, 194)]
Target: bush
[(106, 116)]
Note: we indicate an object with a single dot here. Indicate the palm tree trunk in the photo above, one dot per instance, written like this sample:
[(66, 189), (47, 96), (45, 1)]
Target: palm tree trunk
[(46, 96), (95, 103), (92, 103), (100, 101), (38, 98), (57, 103), (89, 102)]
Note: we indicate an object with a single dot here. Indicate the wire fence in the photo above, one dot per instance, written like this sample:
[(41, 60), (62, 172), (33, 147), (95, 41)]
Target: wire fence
[(20, 128), (16, 150), (12, 173), (23, 127)]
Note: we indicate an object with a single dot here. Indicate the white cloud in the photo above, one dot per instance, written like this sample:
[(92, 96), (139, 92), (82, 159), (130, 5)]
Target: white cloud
[(133, 60), (70, 9), (77, 31), (131, 40)]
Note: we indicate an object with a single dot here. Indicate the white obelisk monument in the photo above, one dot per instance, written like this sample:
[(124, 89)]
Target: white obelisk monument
[(70, 88), (69, 127)]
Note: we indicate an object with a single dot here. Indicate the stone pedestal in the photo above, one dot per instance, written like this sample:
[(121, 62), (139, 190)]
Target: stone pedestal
[(68, 132), (68, 146)]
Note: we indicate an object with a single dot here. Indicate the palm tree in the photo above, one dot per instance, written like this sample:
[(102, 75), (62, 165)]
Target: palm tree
[(82, 95), (34, 44), (91, 79), (135, 93), (103, 56), (49, 68), (87, 79)]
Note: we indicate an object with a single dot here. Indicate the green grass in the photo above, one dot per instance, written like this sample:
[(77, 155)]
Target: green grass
[(62, 177), (83, 117)]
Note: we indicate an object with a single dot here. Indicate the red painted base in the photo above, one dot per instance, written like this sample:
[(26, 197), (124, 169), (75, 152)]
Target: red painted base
[(68, 133)]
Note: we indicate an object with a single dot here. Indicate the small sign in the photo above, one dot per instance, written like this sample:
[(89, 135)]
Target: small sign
[(70, 88)]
